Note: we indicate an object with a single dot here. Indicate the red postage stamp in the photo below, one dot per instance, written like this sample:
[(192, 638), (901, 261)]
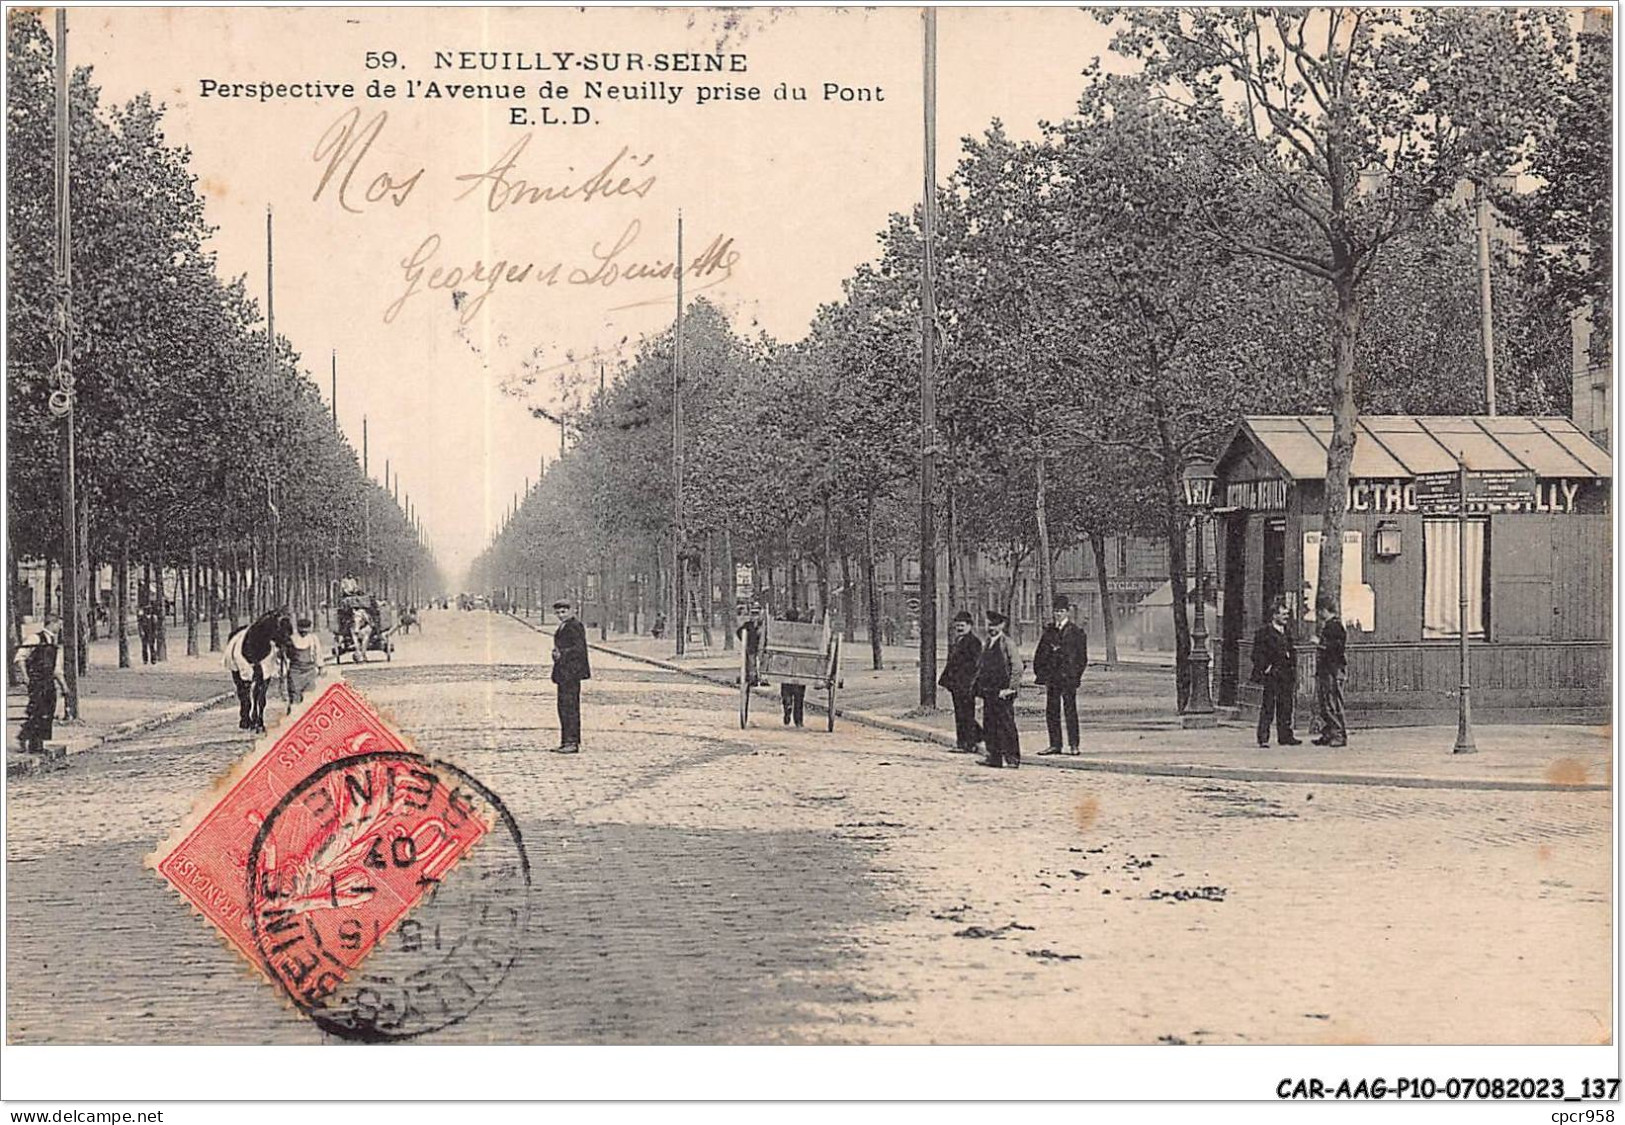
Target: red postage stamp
[(322, 843)]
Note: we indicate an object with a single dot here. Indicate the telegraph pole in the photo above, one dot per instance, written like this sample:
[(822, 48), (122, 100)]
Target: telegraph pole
[(1464, 706), (334, 397), (270, 379), (1485, 300), (603, 533), (61, 400), (678, 621), (928, 382)]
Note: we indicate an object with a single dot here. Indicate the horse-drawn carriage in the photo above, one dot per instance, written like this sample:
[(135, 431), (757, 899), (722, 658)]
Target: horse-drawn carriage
[(794, 652), (365, 625)]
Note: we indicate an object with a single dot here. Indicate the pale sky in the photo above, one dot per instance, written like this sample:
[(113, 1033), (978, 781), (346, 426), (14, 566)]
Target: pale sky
[(801, 188)]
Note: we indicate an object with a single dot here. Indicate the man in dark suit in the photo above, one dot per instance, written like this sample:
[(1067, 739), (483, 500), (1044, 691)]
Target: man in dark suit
[(1058, 664), (570, 667), (1331, 671), (1275, 665), (959, 677), (998, 672)]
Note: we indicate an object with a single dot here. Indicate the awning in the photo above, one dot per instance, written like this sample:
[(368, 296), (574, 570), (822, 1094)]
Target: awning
[(1389, 446)]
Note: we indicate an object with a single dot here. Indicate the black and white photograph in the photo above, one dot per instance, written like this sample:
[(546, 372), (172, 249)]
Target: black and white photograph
[(1068, 550)]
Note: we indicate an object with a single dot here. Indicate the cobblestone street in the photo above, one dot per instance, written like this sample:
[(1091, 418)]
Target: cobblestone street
[(695, 883)]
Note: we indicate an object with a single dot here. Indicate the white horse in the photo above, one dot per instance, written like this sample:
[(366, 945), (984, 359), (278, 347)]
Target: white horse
[(361, 631), (254, 654)]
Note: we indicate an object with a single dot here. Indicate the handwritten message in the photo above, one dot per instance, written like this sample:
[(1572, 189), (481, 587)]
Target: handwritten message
[(349, 177)]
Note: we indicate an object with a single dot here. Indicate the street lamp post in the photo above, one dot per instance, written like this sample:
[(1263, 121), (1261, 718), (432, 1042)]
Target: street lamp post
[(1198, 481), (1464, 706)]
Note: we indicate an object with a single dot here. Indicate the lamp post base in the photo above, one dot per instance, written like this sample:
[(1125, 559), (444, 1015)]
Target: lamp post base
[(1199, 712)]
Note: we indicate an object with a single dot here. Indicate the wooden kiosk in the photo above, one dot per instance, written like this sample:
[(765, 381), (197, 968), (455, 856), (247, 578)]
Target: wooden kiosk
[(1540, 557)]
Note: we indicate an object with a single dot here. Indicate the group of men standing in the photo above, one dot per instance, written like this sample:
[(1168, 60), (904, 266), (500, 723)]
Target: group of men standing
[(1275, 668), (991, 673)]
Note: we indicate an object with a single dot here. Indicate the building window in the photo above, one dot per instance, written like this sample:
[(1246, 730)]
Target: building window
[(1441, 573)]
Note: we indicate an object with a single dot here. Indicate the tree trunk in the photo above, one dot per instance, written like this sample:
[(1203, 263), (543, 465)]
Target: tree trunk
[(92, 625), (81, 584), (1046, 561), (14, 633), (1108, 612), (870, 586), (234, 597), (1340, 451), (849, 627), (160, 650), (122, 601), (191, 604), (213, 599), (1017, 561), (953, 544), (49, 570), (731, 585), (824, 561)]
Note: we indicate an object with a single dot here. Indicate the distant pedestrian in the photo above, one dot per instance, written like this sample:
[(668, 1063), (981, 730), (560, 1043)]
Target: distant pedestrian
[(570, 667), (146, 623), (304, 661), (39, 663), (1331, 672), (1275, 665), (959, 677), (794, 696), (997, 673), (1058, 664)]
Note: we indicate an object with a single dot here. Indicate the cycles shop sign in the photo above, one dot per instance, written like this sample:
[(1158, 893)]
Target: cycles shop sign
[(1427, 494)]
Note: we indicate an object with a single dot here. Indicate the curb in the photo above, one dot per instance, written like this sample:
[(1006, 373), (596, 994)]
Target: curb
[(24, 766), (921, 733)]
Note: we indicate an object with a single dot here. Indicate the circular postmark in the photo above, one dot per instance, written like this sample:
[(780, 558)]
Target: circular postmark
[(388, 895)]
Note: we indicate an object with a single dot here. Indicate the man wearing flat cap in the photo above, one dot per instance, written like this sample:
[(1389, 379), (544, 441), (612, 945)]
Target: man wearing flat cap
[(959, 677), (1058, 664), (997, 674), (570, 667)]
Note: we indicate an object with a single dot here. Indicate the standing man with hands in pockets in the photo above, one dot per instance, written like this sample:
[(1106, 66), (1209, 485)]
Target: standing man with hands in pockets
[(570, 667), (959, 677), (997, 674), (1058, 664)]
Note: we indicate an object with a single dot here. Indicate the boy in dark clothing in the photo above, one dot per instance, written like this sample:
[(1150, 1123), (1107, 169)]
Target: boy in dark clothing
[(959, 677), (1331, 672), (794, 696)]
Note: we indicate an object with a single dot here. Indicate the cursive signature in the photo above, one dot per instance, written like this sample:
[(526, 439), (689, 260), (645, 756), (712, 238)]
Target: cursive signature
[(610, 263)]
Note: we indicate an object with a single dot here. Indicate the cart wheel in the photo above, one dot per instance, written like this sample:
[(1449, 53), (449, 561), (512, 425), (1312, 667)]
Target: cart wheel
[(829, 717)]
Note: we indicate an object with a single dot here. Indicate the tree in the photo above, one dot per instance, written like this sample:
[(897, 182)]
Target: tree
[(1360, 121)]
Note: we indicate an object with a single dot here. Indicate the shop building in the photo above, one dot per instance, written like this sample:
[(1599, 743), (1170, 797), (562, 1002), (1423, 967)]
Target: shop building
[(1539, 555)]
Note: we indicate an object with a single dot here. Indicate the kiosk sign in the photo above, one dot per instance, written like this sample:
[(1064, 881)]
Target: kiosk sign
[(1490, 491)]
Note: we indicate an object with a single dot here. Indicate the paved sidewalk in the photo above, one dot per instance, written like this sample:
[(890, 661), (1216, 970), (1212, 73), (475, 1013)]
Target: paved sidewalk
[(117, 703), (1134, 693), (1126, 732)]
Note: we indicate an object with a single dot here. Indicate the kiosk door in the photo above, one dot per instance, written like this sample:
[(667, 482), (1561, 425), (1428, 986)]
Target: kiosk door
[(1235, 615), (1274, 567)]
